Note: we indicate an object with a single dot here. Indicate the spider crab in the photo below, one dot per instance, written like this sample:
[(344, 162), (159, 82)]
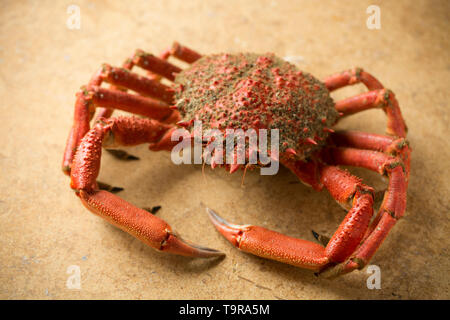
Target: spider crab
[(246, 91)]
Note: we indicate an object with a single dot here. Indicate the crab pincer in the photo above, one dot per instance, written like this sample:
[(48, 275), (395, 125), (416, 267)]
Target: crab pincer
[(269, 244), (146, 227)]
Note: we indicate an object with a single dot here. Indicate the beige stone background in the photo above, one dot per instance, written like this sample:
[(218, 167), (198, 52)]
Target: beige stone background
[(45, 229)]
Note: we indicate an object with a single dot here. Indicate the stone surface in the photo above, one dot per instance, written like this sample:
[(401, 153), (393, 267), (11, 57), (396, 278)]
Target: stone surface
[(45, 229)]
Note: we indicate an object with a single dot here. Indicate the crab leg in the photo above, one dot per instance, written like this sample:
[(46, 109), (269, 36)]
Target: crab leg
[(184, 53), (136, 104), (391, 210), (382, 98), (148, 228), (269, 244), (124, 78), (88, 98), (121, 79), (178, 51), (83, 112), (363, 140), (107, 112), (349, 192), (156, 65), (379, 97), (351, 77)]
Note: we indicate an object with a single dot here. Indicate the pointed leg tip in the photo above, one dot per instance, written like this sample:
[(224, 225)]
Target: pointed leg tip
[(152, 210), (232, 232), (196, 250), (315, 234), (321, 238), (218, 220), (211, 212), (108, 187), (208, 252), (116, 189)]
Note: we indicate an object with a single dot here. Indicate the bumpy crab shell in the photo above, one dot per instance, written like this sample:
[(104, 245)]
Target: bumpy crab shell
[(246, 90)]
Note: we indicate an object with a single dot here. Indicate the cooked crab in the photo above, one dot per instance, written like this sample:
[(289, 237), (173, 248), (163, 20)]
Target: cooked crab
[(246, 91)]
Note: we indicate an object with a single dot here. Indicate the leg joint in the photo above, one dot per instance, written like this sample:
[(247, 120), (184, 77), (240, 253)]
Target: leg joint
[(360, 262), (391, 165)]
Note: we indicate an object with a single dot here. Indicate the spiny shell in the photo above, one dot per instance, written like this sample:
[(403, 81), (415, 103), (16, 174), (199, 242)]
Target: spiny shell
[(245, 90)]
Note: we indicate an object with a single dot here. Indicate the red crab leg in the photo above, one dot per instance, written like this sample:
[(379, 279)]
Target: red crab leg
[(121, 80), (178, 51), (93, 95), (385, 99), (107, 112), (148, 228), (82, 115), (350, 77), (124, 78), (391, 210), (269, 244), (181, 52), (156, 65), (146, 106), (184, 53), (139, 84), (362, 140), (88, 98), (350, 193)]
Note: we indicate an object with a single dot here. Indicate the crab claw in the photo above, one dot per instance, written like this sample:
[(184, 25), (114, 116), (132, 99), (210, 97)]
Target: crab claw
[(175, 244), (272, 245), (146, 227), (231, 232)]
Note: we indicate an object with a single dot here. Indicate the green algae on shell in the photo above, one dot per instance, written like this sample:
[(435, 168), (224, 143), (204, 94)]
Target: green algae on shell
[(246, 90)]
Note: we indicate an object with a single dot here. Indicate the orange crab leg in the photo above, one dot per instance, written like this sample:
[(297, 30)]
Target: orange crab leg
[(346, 189), (269, 244), (184, 53), (392, 208), (144, 226), (122, 79), (396, 125), (361, 102), (156, 65), (178, 51), (391, 211), (146, 106), (349, 192), (126, 79), (82, 115), (93, 96), (148, 228), (107, 112), (350, 77), (363, 140)]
